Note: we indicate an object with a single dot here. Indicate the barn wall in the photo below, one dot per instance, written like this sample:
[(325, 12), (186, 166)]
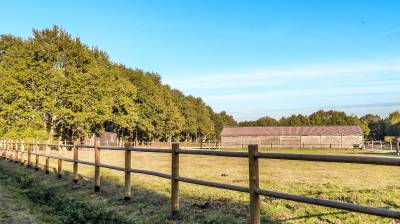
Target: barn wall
[(348, 141), (292, 141), (289, 141), (231, 142)]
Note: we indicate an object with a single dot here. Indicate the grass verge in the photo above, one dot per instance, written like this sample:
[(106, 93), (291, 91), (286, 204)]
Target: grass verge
[(363, 184), (61, 201)]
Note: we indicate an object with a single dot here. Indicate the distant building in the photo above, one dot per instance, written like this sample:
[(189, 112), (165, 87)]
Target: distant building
[(293, 137), (106, 139)]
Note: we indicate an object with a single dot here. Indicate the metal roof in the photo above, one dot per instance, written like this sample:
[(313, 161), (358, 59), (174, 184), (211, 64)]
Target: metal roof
[(292, 131)]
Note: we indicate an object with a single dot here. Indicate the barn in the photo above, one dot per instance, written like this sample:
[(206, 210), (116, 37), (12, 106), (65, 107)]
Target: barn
[(293, 137)]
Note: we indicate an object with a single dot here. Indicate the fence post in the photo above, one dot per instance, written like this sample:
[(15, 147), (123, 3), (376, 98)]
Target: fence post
[(21, 158), (75, 165), (16, 152), (2, 149), (7, 148), (60, 161), (47, 164), (96, 166), (174, 180), (254, 185), (12, 153), (6, 152), (21, 153), (29, 156), (128, 163), (37, 157)]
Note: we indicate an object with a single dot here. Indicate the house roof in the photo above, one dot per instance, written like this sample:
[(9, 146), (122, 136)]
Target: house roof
[(291, 131)]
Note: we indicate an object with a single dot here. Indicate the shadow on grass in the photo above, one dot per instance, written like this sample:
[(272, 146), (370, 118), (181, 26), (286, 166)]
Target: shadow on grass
[(319, 215), (77, 202)]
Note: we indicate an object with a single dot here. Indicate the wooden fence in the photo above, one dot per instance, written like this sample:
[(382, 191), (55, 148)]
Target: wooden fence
[(14, 151)]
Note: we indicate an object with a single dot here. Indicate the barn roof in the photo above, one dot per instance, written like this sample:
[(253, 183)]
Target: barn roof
[(288, 131)]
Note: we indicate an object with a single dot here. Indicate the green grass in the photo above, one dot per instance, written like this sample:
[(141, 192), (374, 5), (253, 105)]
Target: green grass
[(370, 185), (14, 208)]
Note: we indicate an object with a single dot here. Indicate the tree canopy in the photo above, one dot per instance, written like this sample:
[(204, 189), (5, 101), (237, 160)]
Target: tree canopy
[(55, 87)]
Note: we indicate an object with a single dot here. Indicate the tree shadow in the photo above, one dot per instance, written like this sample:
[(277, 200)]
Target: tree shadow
[(319, 215), (149, 206)]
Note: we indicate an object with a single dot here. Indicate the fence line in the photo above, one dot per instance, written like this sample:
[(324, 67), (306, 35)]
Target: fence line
[(383, 145), (14, 151)]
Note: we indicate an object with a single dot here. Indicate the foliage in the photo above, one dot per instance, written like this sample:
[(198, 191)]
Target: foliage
[(55, 87), (221, 120), (393, 124)]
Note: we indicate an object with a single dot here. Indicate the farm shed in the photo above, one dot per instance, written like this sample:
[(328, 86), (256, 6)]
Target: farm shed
[(293, 137), (106, 139)]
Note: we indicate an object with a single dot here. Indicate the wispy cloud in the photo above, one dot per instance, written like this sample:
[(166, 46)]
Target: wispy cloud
[(320, 92), (371, 86), (279, 76), (390, 32)]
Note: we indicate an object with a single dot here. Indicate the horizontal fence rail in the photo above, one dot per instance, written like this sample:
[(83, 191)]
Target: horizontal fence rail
[(332, 158), (14, 151)]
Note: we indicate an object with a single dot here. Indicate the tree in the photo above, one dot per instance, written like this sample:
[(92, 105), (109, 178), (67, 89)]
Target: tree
[(20, 119), (376, 126), (393, 124), (221, 120), (64, 87), (394, 118), (294, 120)]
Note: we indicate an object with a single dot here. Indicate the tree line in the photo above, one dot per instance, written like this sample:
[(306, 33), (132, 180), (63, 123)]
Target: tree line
[(53, 86), (373, 126)]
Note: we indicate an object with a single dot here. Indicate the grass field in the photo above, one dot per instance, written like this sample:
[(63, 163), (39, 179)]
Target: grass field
[(370, 185), (13, 209)]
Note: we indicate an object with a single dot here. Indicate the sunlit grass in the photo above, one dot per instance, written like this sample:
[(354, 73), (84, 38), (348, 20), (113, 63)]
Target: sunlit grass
[(370, 185)]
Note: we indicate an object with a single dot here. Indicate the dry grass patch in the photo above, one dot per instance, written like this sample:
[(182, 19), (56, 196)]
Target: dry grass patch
[(370, 185)]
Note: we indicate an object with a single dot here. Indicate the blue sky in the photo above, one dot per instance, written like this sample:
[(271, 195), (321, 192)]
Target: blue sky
[(250, 58)]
